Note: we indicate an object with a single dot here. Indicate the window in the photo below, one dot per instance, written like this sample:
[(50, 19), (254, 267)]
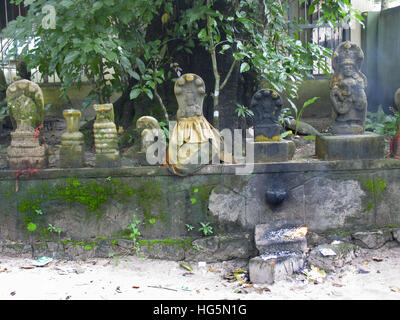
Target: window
[(9, 12), (323, 35)]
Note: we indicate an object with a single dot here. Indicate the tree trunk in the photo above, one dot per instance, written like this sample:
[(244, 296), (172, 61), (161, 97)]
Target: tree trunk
[(124, 110)]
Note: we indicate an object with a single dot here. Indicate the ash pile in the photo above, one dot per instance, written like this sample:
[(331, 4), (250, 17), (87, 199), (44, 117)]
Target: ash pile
[(282, 251)]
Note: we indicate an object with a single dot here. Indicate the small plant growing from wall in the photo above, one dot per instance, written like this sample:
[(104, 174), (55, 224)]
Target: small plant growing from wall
[(134, 233), (206, 228), (54, 229)]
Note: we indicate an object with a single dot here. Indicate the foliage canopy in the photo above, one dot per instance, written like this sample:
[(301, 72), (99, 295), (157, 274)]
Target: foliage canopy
[(112, 43)]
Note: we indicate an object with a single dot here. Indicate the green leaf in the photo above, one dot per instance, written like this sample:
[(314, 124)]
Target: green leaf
[(202, 34), (141, 65), (97, 5), (66, 3), (151, 84), (193, 200), (111, 56), (71, 57), (310, 101), (152, 220), (134, 74), (293, 106), (135, 93), (148, 92), (244, 67), (285, 134), (163, 51), (31, 226)]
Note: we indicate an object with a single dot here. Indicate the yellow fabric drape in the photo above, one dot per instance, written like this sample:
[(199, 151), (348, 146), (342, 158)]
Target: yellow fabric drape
[(186, 140)]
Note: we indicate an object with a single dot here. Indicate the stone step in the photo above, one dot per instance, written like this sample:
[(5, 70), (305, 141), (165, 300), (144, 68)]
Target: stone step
[(269, 268), (287, 237), (282, 247)]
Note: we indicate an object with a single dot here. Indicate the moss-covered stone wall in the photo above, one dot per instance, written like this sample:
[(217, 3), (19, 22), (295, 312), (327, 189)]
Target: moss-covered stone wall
[(211, 215)]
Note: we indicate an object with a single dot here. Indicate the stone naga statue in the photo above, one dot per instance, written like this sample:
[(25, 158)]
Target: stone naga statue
[(189, 143), (26, 106), (25, 102), (348, 85), (266, 105)]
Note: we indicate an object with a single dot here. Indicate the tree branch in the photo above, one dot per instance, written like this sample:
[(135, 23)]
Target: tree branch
[(161, 104), (215, 71), (229, 74)]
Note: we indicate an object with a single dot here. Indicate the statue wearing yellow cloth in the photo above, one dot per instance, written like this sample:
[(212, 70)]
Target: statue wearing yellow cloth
[(194, 142)]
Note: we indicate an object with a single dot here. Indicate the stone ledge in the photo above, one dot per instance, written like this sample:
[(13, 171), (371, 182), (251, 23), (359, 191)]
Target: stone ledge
[(220, 169)]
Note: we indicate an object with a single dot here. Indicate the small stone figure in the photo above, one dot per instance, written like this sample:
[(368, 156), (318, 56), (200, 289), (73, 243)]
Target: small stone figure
[(105, 137), (26, 106), (144, 125), (193, 136), (348, 90), (266, 105), (72, 150)]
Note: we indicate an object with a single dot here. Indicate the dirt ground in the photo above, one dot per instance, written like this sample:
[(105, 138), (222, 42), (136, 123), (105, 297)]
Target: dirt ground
[(372, 275)]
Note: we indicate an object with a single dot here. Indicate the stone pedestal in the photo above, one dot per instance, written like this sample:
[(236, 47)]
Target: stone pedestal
[(105, 137), (72, 149), (273, 151), (282, 247), (26, 106), (350, 147), (267, 132), (25, 151), (269, 269)]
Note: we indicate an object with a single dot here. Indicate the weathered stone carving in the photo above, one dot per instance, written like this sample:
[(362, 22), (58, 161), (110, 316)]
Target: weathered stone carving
[(397, 99), (149, 130), (72, 149), (25, 102), (348, 90), (144, 125), (192, 137), (105, 137), (266, 105), (349, 140), (26, 107)]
